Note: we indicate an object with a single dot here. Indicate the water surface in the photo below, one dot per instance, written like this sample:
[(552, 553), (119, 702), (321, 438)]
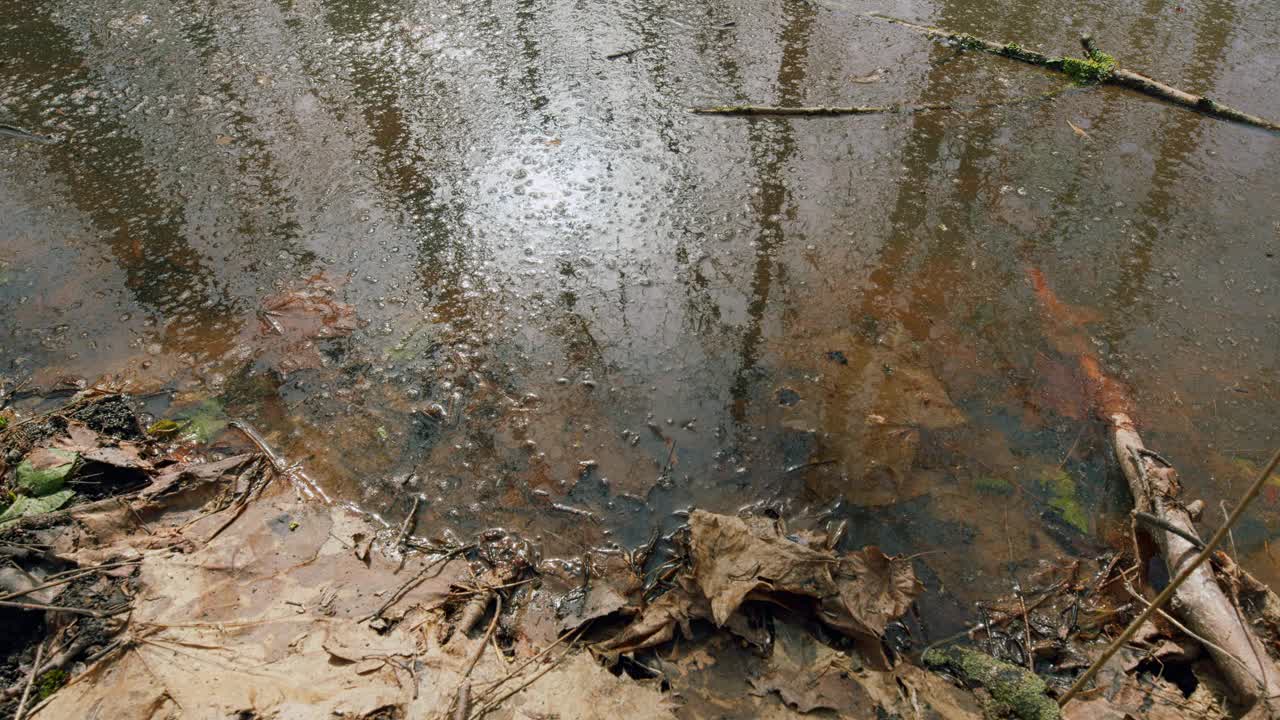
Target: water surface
[(573, 296)]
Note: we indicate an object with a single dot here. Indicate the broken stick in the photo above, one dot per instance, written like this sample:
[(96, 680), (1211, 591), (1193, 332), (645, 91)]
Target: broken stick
[(1096, 67)]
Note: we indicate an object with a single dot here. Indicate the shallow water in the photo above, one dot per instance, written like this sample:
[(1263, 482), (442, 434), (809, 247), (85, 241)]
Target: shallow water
[(576, 297)]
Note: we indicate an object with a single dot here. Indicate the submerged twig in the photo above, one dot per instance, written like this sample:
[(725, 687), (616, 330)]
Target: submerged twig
[(628, 53), (836, 110)]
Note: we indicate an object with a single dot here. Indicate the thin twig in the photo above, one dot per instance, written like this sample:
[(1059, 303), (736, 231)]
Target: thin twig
[(461, 703), (1026, 621), (490, 707), (628, 53), (837, 110), (512, 673), (31, 680), (1235, 553), (405, 529), (407, 526), (56, 608), (1113, 74), (1172, 587), (418, 579), (1167, 526)]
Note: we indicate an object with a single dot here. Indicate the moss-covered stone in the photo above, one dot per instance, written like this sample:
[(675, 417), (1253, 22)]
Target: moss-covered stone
[(1015, 692)]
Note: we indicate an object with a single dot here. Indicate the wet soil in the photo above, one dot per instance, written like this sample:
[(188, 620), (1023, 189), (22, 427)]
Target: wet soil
[(582, 310)]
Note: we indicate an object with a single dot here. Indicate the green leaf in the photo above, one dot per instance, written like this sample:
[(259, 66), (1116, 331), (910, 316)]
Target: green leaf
[(163, 428), (24, 506), (44, 471), (204, 421)]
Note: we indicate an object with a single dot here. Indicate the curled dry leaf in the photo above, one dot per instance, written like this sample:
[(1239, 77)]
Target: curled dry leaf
[(657, 623), (736, 559)]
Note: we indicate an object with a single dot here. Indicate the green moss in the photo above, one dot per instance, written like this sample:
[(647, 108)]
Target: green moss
[(993, 485), (49, 683), (1016, 51), (1061, 489), (1092, 70), (966, 41), (1014, 691), (4, 422)]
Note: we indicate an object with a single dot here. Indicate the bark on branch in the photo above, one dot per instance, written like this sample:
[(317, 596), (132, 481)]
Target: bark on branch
[(1096, 67)]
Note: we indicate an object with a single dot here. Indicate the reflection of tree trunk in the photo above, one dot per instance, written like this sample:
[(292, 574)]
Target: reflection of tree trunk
[(927, 184), (1177, 137), (770, 156), (526, 13), (403, 169), (106, 177)]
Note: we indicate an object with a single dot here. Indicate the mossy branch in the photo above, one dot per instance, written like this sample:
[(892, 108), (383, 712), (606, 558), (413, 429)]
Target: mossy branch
[(1096, 67)]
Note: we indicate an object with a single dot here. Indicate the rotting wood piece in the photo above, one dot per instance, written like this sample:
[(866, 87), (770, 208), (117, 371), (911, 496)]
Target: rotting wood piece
[(1113, 75)]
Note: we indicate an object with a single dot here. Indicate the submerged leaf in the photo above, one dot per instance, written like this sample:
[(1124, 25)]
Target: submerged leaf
[(204, 421)]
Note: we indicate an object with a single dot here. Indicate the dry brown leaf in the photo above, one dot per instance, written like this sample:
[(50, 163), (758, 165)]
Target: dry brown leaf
[(857, 594), (656, 624), (810, 676), (127, 456)]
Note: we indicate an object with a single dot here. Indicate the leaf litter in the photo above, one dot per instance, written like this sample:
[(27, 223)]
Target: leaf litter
[(201, 580)]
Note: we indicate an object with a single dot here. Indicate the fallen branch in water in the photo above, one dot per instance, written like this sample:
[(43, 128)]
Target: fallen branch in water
[(1095, 67), (1202, 603), (1198, 599), (817, 111), (837, 110)]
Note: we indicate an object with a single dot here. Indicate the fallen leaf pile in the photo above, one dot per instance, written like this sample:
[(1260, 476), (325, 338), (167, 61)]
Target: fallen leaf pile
[(734, 560)]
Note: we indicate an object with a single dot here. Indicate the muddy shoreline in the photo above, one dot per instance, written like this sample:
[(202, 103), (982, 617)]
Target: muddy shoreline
[(213, 561)]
